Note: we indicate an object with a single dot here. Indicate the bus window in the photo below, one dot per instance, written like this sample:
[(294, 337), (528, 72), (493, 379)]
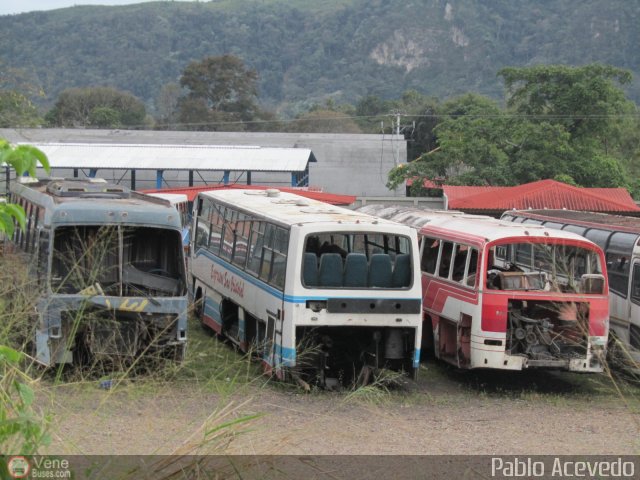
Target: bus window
[(445, 259), (459, 262), (635, 286), (243, 226), (618, 271), (470, 280), (430, 255), (350, 255)]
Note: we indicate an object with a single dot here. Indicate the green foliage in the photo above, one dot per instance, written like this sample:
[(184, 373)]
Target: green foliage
[(560, 122), (21, 432), (100, 107), (16, 110), (584, 100), (23, 158), (305, 51), (219, 90)]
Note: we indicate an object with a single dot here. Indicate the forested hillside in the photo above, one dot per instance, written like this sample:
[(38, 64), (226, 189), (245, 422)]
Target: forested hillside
[(308, 51)]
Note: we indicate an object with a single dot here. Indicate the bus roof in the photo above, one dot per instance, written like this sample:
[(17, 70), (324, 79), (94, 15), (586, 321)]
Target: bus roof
[(172, 198), (290, 209), (478, 228), (601, 221), (99, 203)]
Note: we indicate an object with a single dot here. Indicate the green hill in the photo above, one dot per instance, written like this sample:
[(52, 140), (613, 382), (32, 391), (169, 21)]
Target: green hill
[(308, 51)]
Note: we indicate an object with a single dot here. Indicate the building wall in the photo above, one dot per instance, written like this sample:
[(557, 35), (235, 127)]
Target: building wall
[(353, 164)]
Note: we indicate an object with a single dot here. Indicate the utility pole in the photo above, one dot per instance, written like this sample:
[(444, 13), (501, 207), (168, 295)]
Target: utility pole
[(398, 128)]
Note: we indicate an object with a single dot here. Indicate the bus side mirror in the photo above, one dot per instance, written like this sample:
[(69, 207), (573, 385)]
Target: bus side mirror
[(592, 283)]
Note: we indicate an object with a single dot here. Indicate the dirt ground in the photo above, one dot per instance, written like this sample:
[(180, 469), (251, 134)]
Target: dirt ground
[(445, 412)]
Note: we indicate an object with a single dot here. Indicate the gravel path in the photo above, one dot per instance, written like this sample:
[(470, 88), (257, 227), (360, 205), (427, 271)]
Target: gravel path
[(445, 413)]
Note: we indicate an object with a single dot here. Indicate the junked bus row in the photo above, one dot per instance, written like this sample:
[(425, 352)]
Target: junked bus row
[(320, 294)]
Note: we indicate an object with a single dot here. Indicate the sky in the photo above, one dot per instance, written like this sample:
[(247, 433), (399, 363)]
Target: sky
[(22, 6)]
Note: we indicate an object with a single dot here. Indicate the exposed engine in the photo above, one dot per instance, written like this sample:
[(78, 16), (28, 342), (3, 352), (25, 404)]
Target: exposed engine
[(547, 330), (332, 358)]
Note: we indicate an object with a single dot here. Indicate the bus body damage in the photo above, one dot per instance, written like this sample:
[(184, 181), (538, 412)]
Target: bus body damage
[(119, 294), (333, 357), (548, 333), (110, 328)]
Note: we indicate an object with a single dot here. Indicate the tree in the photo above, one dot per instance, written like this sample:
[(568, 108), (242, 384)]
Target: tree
[(101, 107), (167, 106), (584, 100), (220, 90), (16, 108), (560, 122)]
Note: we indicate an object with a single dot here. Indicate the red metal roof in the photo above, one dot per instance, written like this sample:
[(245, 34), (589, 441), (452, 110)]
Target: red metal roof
[(191, 192), (538, 195)]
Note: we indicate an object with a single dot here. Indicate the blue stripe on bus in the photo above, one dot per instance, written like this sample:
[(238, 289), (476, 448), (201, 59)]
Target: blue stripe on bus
[(212, 310), (416, 358), (267, 288)]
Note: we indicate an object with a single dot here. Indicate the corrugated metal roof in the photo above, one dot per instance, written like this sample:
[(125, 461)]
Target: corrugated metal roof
[(176, 157), (540, 195), (585, 219), (191, 192)]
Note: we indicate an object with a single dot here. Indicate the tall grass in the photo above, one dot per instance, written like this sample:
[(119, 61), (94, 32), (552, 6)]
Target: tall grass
[(209, 366)]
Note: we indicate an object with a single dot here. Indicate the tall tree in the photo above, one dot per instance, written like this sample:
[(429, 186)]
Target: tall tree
[(100, 107), (221, 94), (587, 101), (16, 90), (560, 122)]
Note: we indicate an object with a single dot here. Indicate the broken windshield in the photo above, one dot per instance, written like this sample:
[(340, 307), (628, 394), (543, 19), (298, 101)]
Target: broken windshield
[(544, 266), (117, 261)]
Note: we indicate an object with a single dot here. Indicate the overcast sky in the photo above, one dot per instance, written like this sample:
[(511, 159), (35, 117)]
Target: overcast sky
[(21, 6)]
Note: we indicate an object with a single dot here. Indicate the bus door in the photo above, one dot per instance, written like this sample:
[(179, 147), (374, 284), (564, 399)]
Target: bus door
[(273, 352)]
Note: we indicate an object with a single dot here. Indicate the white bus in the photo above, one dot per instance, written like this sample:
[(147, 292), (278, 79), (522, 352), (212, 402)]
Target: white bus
[(322, 294), (181, 203)]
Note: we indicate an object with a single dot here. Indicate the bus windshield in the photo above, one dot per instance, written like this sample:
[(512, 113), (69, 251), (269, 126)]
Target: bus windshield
[(544, 266), (357, 260), (117, 261)]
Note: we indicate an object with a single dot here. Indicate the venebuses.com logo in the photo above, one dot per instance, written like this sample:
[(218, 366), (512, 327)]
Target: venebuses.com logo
[(18, 467)]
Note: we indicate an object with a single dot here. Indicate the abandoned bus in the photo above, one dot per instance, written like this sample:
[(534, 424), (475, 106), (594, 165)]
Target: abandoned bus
[(504, 296), (321, 294), (619, 237), (109, 264)]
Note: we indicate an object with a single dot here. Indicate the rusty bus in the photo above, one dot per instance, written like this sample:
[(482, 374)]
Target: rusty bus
[(109, 270), (504, 296)]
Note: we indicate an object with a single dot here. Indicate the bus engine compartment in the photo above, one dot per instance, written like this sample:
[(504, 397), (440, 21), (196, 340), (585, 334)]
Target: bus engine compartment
[(547, 332)]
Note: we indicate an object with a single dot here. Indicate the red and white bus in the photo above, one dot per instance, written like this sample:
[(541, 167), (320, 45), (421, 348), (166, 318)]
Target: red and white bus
[(508, 296)]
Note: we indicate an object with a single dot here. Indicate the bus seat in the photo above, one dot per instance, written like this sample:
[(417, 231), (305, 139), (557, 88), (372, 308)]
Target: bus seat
[(380, 270), (330, 274), (355, 270), (310, 270), (401, 276)]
